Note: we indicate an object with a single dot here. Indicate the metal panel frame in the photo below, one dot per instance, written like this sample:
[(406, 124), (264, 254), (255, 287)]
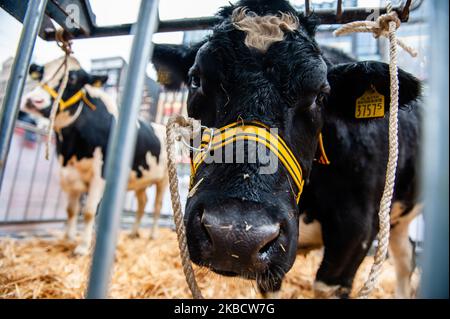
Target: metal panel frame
[(120, 151), (435, 160), (87, 28), (10, 109)]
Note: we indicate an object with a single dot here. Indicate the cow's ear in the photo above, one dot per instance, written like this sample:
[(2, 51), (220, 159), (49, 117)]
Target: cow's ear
[(355, 85), (97, 80), (309, 23), (36, 72), (172, 62)]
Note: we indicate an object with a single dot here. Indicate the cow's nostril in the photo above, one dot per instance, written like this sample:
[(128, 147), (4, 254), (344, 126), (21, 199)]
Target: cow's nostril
[(205, 227), (269, 243)]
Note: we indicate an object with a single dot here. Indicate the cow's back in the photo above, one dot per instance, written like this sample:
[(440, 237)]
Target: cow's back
[(354, 181)]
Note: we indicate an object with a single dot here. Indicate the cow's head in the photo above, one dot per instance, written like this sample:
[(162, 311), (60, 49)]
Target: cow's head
[(39, 101), (261, 63)]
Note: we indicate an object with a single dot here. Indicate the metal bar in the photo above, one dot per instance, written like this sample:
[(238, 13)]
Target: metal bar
[(72, 15), (339, 11), (18, 9), (31, 221), (327, 16), (307, 7), (120, 152), (435, 159), (33, 176), (47, 186), (13, 186), (16, 83)]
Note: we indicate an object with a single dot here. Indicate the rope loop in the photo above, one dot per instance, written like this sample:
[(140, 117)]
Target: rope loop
[(379, 28), (66, 46), (175, 127)]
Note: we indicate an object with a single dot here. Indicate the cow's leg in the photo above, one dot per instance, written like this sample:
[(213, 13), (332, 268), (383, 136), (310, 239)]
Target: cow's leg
[(141, 196), (346, 245), (73, 208), (95, 193), (402, 251), (160, 190)]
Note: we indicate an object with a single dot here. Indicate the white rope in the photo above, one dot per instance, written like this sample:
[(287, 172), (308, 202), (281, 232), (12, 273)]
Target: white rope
[(386, 25), (176, 129), (66, 47)]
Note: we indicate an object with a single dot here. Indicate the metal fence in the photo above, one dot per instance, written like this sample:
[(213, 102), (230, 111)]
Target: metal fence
[(32, 192)]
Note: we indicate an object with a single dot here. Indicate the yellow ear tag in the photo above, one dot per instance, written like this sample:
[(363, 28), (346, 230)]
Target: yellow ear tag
[(97, 84), (163, 77), (35, 75), (370, 105)]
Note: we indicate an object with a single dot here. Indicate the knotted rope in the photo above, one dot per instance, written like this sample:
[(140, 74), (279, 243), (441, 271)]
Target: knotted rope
[(66, 46), (174, 126), (386, 25), (379, 28)]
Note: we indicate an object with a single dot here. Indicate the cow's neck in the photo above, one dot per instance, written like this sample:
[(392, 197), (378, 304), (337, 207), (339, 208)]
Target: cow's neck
[(89, 130)]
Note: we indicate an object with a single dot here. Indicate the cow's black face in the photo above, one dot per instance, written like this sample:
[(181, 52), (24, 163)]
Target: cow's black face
[(241, 222), (238, 221), (39, 101)]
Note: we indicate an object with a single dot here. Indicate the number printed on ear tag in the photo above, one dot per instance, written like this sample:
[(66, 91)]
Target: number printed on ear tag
[(370, 105)]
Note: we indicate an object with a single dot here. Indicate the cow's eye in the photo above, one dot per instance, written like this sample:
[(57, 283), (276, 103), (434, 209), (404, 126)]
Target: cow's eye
[(320, 98), (195, 81), (324, 92)]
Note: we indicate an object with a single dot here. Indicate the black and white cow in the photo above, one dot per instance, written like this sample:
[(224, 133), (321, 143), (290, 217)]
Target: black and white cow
[(262, 63), (83, 124)]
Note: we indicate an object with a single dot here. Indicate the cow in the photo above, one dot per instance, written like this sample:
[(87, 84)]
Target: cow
[(83, 123), (262, 64)]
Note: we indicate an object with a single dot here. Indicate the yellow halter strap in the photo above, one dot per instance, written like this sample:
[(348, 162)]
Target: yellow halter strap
[(251, 131), (63, 105)]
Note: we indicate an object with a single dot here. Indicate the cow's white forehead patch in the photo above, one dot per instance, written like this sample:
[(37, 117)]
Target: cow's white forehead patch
[(53, 70), (262, 32)]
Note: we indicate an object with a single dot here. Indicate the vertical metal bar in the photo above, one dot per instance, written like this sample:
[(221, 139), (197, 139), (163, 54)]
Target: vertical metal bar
[(307, 7), (339, 11), (121, 150), (47, 185), (13, 186), (16, 83), (435, 160), (33, 176)]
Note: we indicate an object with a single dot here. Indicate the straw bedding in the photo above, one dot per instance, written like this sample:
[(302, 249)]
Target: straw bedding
[(45, 268)]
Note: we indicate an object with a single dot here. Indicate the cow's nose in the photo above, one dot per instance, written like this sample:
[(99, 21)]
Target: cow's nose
[(240, 244)]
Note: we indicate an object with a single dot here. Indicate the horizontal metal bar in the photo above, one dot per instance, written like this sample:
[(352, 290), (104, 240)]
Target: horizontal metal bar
[(31, 221), (31, 128), (18, 8), (327, 17)]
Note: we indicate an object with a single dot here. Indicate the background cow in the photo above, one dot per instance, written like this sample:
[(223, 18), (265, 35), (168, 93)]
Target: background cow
[(82, 126), (262, 63)]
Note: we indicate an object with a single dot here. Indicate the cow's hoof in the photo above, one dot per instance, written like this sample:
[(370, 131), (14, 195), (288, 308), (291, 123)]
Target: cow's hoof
[(69, 238), (134, 235), (153, 235), (81, 250), (324, 291), (272, 295)]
